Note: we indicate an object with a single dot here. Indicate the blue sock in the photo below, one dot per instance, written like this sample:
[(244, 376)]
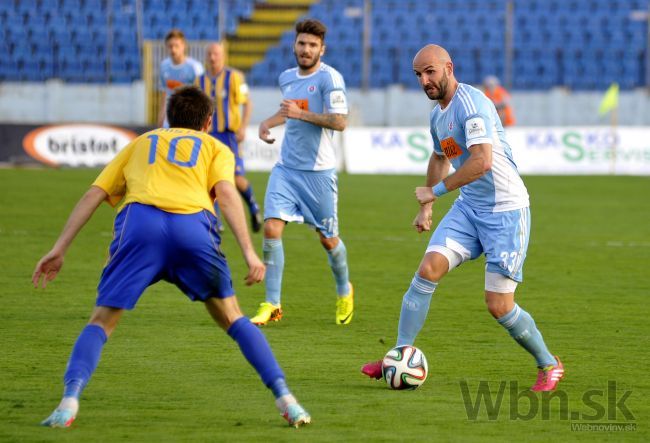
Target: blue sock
[(249, 198), (274, 261), (279, 388), (257, 351), (83, 360), (415, 306), (522, 328), (338, 260)]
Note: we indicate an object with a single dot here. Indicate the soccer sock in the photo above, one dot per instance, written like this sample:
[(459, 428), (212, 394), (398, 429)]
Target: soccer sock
[(274, 261), (249, 198), (338, 260), (257, 351), (415, 306), (522, 328), (83, 360)]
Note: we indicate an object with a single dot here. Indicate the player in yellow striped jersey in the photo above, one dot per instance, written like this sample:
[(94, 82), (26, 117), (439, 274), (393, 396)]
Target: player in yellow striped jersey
[(232, 109)]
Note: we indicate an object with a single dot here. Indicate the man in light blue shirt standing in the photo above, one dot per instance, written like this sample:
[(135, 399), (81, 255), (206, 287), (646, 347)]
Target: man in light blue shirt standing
[(302, 187), (176, 70)]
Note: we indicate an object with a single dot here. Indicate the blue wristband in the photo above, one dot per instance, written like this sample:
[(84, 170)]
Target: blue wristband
[(440, 189)]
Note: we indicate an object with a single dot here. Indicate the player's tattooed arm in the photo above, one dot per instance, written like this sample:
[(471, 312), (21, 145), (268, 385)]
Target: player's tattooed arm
[(337, 122), (290, 109)]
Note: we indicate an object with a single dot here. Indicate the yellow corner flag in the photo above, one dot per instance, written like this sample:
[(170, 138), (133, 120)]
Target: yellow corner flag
[(610, 99)]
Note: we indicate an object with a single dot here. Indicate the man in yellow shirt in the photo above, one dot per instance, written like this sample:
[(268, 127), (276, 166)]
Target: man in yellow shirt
[(165, 229), (228, 89)]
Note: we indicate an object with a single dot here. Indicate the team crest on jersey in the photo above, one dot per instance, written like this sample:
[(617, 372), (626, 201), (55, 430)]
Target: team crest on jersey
[(451, 126), (311, 89)]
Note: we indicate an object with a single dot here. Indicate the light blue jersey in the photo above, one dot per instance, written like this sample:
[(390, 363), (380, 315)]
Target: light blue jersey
[(469, 119), (306, 146), (172, 76)]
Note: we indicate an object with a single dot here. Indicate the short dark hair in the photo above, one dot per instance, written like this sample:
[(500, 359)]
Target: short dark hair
[(188, 107), (311, 26), (174, 33)]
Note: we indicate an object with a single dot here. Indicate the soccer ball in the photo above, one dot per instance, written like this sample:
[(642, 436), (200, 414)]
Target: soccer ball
[(404, 367)]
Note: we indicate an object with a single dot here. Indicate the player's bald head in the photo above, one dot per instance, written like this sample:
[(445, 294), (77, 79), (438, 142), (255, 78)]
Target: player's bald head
[(214, 55), (215, 46), (431, 55), (435, 72)]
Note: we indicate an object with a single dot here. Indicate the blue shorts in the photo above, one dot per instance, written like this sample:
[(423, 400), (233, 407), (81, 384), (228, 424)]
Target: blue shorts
[(308, 197), (151, 245), (229, 139), (502, 236)]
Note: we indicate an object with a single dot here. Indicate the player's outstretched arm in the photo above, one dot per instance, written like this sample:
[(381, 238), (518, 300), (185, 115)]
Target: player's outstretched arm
[(265, 127), (337, 122), (233, 211), (49, 266)]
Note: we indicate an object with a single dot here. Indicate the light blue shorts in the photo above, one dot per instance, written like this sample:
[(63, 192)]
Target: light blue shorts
[(300, 196), (502, 236)]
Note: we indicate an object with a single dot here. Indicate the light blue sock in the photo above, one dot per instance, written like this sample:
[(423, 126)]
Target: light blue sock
[(274, 261), (521, 326), (415, 306), (83, 360), (338, 260)]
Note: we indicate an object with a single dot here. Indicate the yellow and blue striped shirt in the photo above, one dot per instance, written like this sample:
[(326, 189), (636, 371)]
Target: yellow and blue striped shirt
[(228, 90)]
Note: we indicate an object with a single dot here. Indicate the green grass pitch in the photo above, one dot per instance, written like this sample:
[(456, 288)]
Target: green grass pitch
[(169, 374)]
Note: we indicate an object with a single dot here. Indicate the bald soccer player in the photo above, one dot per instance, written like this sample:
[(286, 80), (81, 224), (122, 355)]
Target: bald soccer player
[(491, 216)]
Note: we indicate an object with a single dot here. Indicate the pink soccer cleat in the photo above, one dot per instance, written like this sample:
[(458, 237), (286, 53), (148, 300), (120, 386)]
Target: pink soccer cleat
[(548, 377), (372, 369)]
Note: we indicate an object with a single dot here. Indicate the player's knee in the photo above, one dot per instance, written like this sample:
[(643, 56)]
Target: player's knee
[(433, 267), (499, 294), (228, 319), (106, 318), (497, 308), (273, 228), (225, 311), (329, 243)]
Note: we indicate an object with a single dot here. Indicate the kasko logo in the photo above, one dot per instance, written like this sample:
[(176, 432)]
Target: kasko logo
[(76, 144)]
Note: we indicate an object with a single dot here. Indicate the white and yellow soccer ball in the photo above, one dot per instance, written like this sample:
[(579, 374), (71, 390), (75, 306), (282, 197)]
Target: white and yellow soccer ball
[(404, 367)]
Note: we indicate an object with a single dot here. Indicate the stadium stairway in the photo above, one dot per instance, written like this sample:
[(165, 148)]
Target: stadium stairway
[(267, 23)]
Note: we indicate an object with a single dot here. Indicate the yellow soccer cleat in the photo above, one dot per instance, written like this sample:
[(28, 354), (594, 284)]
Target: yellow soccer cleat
[(345, 308), (267, 312)]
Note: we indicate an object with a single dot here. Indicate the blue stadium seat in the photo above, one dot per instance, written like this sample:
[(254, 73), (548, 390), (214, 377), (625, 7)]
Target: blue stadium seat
[(556, 42)]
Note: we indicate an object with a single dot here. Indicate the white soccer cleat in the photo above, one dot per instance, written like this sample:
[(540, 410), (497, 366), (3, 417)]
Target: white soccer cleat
[(296, 415), (60, 418)]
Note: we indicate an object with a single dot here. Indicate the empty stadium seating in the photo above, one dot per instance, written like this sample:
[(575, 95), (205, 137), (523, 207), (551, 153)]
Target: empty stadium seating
[(96, 40), (580, 44)]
